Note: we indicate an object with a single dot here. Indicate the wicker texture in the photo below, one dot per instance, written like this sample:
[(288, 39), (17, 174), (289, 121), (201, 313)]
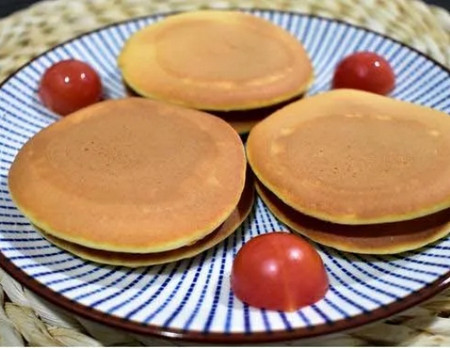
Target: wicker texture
[(27, 319), (32, 31)]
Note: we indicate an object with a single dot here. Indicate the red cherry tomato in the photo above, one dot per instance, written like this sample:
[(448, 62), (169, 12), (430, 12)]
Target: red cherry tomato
[(278, 271), (70, 85), (366, 71)]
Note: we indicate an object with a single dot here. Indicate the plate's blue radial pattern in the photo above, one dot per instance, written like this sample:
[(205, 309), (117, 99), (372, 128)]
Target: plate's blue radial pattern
[(195, 294)]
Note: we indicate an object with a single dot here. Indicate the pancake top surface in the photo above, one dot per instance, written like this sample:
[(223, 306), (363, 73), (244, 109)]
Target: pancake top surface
[(216, 60), (354, 157), (130, 175)]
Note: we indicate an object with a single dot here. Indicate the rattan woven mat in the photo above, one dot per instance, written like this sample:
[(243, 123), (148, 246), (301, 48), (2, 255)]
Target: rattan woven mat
[(25, 319)]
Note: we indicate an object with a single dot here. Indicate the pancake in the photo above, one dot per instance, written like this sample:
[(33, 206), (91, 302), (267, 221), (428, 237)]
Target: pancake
[(242, 121), (384, 238), (236, 218), (216, 60), (354, 157), (243, 126), (130, 175)]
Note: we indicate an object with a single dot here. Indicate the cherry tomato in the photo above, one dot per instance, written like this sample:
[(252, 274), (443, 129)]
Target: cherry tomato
[(278, 271), (366, 71), (69, 85)]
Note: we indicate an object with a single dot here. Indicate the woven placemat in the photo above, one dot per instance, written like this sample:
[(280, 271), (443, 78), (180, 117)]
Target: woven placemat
[(26, 319)]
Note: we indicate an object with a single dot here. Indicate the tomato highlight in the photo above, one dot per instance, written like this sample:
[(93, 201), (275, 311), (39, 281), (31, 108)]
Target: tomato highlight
[(366, 71), (69, 85)]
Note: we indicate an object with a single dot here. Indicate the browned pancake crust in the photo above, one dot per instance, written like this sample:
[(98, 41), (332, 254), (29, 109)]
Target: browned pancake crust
[(384, 238), (216, 60), (137, 260), (242, 121), (354, 157), (130, 175)]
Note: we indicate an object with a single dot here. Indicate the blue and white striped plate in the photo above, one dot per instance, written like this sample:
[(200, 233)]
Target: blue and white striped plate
[(192, 298)]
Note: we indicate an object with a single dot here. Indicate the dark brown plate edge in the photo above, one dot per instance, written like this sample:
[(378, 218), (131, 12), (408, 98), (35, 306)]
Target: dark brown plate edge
[(411, 300)]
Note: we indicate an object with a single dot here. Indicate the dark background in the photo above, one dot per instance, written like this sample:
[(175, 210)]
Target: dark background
[(9, 6)]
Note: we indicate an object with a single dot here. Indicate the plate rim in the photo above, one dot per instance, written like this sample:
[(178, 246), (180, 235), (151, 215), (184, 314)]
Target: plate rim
[(383, 312)]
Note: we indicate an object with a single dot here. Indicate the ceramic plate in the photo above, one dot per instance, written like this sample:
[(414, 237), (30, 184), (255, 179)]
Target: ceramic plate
[(191, 299)]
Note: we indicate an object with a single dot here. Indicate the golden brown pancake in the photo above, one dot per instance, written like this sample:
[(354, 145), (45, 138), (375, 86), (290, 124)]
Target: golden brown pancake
[(216, 60), (354, 157), (236, 218), (130, 175), (242, 121), (244, 126), (384, 238)]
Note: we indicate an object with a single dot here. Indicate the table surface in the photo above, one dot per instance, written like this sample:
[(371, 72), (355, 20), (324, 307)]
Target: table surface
[(9, 6)]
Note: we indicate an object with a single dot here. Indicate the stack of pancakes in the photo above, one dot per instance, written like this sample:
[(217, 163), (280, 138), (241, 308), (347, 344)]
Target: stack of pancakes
[(133, 182), (356, 171), (230, 64)]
